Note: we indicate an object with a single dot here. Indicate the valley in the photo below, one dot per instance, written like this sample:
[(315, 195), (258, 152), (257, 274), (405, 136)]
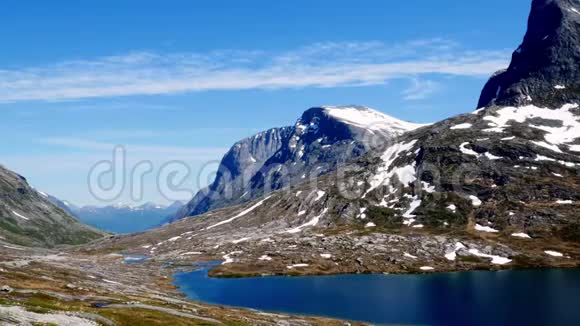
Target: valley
[(485, 196)]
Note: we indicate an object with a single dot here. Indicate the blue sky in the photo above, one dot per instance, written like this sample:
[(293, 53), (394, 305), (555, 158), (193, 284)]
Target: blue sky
[(183, 80)]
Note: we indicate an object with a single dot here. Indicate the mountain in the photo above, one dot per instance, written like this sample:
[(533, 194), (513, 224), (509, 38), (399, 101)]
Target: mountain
[(122, 218), (29, 218), (548, 57), (62, 204), (495, 188), (320, 141)]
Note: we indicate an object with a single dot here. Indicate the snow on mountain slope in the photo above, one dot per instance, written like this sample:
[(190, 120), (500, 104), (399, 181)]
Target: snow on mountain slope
[(367, 118)]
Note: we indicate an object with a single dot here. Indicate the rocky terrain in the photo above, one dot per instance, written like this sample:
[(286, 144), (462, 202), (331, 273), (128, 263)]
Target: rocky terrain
[(28, 218), (320, 141), (46, 287)]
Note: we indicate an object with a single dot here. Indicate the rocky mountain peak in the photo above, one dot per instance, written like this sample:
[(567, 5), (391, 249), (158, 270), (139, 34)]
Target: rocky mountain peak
[(322, 138), (337, 123), (544, 69)]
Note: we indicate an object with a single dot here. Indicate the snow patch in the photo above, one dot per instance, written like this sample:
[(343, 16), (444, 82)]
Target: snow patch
[(427, 187), (228, 259), (554, 135), (471, 152), (191, 253), (492, 157), (240, 214), (453, 254), (362, 214), (487, 229), (475, 201), (312, 222), (21, 216), (461, 126), (553, 253), (319, 195), (548, 146), (111, 282), (521, 235), (467, 151), (412, 207), (385, 171), (496, 260), (241, 240)]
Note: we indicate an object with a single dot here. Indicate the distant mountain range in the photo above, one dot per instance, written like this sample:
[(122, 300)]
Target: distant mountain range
[(120, 218)]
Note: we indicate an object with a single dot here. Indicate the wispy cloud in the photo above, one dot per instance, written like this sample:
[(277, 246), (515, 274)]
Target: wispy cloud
[(420, 89), (142, 151), (317, 65)]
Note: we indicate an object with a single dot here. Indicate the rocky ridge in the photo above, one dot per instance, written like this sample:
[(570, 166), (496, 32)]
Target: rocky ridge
[(29, 218)]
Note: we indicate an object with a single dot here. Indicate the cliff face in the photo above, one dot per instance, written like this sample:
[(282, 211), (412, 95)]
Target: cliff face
[(236, 168), (544, 69)]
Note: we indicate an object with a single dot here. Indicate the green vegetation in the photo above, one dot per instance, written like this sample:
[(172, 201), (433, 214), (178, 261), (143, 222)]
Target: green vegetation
[(43, 304), (570, 232), (435, 208), (383, 216)]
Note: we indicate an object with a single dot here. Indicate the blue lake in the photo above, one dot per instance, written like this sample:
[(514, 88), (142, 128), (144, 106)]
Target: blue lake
[(527, 297)]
